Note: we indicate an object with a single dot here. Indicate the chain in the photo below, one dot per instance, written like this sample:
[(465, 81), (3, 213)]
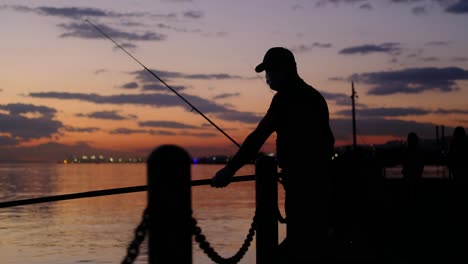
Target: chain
[(281, 219), (134, 248), (213, 255)]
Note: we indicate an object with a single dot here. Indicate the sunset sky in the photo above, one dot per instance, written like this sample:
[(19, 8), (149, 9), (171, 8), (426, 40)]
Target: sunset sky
[(65, 89)]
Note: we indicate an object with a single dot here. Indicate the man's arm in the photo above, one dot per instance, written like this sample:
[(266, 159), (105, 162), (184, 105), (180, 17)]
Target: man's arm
[(247, 151), (253, 143)]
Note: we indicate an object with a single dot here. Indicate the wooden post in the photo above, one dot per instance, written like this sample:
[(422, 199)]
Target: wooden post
[(266, 185), (169, 201)]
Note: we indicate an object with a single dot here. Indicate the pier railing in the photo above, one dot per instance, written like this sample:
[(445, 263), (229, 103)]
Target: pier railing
[(168, 220)]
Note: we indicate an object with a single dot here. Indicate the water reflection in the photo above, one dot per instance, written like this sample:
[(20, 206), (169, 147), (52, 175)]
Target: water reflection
[(98, 230)]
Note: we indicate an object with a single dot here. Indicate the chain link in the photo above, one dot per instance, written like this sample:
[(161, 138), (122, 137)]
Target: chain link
[(213, 255), (134, 248)]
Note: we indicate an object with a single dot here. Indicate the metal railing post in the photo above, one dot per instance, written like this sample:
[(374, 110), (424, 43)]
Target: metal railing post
[(266, 186), (169, 201)]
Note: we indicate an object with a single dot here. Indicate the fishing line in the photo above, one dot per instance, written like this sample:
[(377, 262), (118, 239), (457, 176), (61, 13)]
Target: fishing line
[(163, 82)]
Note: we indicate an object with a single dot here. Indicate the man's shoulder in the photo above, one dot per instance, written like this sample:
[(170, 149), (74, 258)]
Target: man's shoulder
[(312, 92)]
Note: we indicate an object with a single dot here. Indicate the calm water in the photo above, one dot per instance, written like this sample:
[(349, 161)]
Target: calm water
[(98, 230)]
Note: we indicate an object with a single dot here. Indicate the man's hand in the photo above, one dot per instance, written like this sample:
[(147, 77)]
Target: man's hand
[(222, 178)]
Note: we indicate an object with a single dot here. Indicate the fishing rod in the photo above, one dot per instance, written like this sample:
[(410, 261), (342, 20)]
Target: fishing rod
[(163, 82)]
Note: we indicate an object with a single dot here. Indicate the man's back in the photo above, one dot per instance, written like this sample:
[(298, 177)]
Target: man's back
[(302, 127)]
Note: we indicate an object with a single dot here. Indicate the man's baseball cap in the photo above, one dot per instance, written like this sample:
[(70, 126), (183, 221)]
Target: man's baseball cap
[(277, 58)]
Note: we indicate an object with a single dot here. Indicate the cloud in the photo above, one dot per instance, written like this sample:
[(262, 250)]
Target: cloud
[(244, 117), (450, 6), (338, 98), (437, 43), (71, 12), (336, 2), (161, 133), (130, 85), (460, 59), (127, 131), (430, 59), (419, 10), (219, 34), (213, 76), (405, 1), (381, 127), (17, 109), (27, 121), (157, 86), (126, 46), (178, 1), (177, 29), (155, 100), (20, 127), (7, 141), (226, 95), (99, 71), (386, 112), (108, 115), (67, 12), (366, 6), (86, 31), (460, 7), (389, 48), (337, 79), (151, 83), (81, 129), (308, 47), (148, 77), (78, 12), (201, 135), (451, 111), (297, 7), (193, 14), (412, 80), (166, 124)]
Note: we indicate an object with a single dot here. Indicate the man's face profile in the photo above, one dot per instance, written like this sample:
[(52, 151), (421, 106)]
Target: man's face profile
[(275, 79)]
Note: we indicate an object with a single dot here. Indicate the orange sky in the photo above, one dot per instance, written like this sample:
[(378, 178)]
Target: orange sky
[(66, 89)]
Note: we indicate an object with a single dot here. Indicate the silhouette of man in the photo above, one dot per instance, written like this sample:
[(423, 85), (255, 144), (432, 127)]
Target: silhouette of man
[(413, 163), (457, 156), (299, 115)]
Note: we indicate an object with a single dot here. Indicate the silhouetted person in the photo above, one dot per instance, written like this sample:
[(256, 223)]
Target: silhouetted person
[(413, 159), (457, 162), (413, 167), (457, 156), (299, 115)]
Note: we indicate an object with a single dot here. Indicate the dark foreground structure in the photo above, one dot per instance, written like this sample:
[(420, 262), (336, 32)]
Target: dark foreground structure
[(381, 220), (374, 219)]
